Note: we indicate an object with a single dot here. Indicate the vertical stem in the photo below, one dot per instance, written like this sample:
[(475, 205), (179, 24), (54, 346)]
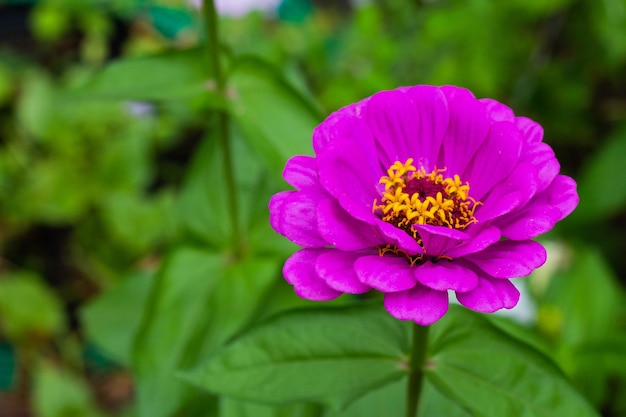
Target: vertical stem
[(416, 368), (223, 131)]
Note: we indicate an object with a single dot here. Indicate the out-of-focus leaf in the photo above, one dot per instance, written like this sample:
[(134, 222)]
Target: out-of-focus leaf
[(609, 22), (584, 299), (35, 103), (204, 210), (596, 367), (58, 393), (49, 21), (520, 332), (6, 83), (171, 75), (602, 184), (203, 203), (52, 192), (328, 355), (199, 301), (233, 408), (274, 117), (490, 374), (139, 224), (112, 320), (28, 309)]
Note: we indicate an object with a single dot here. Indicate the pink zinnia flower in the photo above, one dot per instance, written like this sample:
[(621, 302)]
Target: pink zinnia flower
[(419, 191)]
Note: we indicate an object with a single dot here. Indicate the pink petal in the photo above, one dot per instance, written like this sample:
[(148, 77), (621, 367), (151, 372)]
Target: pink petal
[(301, 172), (498, 111), (345, 172), (495, 160), (445, 275), (542, 158), (336, 268), (485, 238), (432, 109), (515, 191), (299, 271), (490, 295), (420, 304), (387, 273), (409, 123), (293, 214), (542, 212), (468, 127), (276, 209), (531, 131), (345, 123), (437, 240), (529, 223), (399, 238), (509, 258), (391, 118), (343, 231)]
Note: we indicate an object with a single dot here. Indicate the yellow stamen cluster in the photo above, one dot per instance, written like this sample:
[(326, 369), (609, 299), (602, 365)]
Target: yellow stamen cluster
[(412, 197)]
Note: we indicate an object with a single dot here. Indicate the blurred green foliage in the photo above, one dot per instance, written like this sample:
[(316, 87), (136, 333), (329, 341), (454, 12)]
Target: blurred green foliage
[(115, 229)]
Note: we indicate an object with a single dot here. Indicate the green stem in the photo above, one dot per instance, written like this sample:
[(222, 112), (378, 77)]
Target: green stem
[(416, 369), (223, 131)]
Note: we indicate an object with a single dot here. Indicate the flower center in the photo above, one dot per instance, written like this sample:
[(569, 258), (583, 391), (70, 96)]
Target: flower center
[(413, 197)]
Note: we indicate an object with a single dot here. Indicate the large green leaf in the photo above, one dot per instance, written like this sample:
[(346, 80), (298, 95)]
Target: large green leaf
[(200, 300), (390, 400), (274, 117), (203, 203), (112, 320), (230, 407), (485, 371), (171, 75), (327, 355), (204, 209)]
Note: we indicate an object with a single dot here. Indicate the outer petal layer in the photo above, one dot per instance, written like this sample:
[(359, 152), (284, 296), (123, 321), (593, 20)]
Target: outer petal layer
[(385, 273), (446, 275), (510, 259), (490, 295), (336, 268), (299, 271), (293, 214), (343, 231), (301, 172), (421, 304)]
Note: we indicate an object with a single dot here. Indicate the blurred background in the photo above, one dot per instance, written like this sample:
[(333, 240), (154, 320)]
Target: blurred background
[(107, 168)]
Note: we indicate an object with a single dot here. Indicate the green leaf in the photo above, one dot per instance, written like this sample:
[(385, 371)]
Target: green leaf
[(390, 400), (230, 407), (327, 355), (18, 319), (490, 374), (59, 393), (138, 223), (598, 365), (204, 210), (167, 76), (589, 282), (602, 184), (112, 320), (203, 207), (274, 117), (200, 300)]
